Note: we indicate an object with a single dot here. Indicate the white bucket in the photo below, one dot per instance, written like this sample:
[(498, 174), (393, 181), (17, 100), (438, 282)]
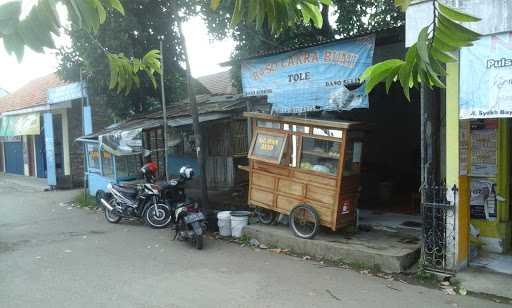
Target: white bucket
[(224, 223), (239, 219)]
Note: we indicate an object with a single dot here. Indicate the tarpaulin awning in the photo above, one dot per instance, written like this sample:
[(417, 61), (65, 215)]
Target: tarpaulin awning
[(20, 125)]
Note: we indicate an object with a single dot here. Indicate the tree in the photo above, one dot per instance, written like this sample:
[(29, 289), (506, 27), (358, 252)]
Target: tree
[(36, 29), (139, 29)]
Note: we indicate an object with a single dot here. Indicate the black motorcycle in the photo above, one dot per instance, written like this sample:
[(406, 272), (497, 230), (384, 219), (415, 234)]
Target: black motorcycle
[(189, 221), (141, 200)]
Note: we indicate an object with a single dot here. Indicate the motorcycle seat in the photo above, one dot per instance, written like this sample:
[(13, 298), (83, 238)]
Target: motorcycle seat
[(125, 189), (168, 185)]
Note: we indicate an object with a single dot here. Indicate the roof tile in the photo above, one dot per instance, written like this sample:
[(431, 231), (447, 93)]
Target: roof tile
[(34, 93)]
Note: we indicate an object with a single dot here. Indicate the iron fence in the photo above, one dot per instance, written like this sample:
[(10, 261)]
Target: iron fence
[(438, 229)]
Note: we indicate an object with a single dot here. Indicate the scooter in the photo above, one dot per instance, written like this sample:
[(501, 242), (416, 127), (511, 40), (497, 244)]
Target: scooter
[(143, 200), (189, 221), (189, 224)]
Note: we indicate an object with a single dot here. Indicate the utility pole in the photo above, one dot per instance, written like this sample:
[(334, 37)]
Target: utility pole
[(195, 124), (164, 106)]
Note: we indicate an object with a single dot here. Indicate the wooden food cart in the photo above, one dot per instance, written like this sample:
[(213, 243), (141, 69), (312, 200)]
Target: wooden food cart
[(307, 169)]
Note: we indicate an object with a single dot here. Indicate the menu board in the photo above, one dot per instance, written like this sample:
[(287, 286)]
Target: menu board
[(268, 147), (483, 152)]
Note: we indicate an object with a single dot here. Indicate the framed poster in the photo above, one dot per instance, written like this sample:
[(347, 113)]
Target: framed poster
[(268, 146), (483, 152), (483, 199)]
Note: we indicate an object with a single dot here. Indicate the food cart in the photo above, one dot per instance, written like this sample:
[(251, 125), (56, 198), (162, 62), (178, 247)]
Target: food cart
[(307, 169)]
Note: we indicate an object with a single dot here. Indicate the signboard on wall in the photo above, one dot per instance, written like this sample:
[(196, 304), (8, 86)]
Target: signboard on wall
[(19, 125), (66, 93), (486, 78), (321, 77), (483, 152)]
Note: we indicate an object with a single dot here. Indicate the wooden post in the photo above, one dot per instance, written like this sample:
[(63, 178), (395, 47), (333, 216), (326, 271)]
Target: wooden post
[(164, 106), (195, 124)]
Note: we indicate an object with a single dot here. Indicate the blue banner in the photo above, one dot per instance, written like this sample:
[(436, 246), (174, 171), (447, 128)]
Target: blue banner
[(486, 78), (322, 77)]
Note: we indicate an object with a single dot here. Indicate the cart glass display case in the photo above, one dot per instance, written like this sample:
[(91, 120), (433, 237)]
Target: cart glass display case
[(307, 165)]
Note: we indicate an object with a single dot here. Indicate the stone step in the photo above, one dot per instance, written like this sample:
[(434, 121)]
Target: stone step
[(391, 253)]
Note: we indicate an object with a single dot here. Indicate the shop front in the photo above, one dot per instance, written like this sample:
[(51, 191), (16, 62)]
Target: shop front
[(485, 107)]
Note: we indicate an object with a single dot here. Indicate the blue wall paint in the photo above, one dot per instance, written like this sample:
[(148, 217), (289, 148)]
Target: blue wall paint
[(87, 120), (13, 157), (97, 182), (50, 149), (40, 156)]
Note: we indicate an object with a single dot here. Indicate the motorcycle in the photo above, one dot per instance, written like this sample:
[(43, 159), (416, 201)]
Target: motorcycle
[(189, 221), (143, 201)]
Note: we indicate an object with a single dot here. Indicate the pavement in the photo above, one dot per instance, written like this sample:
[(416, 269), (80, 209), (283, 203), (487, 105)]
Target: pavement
[(55, 255), (390, 252)]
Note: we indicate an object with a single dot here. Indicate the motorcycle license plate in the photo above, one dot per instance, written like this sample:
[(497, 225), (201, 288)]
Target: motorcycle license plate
[(194, 217)]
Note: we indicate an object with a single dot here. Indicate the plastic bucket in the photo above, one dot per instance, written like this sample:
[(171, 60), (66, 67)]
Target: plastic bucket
[(224, 223), (239, 219)]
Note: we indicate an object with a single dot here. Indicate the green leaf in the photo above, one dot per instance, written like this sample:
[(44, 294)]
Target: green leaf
[(9, 17), (456, 29), (392, 77), (451, 38), (456, 15), (379, 72), (403, 4), (441, 55), (404, 76), (214, 4), (14, 43), (116, 4), (422, 44), (237, 13)]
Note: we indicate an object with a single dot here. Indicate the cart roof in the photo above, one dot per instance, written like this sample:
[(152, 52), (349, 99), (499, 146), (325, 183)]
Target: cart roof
[(308, 122)]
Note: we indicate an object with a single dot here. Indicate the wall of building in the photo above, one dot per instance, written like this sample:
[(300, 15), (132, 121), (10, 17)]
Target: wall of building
[(496, 16)]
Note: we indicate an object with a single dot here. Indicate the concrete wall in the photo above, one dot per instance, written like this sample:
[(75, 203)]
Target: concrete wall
[(496, 16)]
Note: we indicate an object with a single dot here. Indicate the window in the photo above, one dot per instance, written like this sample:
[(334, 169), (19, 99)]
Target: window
[(93, 157), (352, 163), (128, 166), (320, 155), (107, 164), (268, 147)]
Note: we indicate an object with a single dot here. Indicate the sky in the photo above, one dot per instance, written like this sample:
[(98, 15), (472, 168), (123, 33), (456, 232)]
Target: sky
[(204, 54)]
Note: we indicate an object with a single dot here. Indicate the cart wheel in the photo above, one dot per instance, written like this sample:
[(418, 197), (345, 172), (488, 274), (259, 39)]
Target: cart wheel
[(265, 216), (304, 221)]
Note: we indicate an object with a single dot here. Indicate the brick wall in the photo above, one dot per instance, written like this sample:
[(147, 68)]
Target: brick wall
[(100, 118)]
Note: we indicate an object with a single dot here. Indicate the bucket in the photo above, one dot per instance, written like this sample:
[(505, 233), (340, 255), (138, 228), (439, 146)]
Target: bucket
[(239, 219), (224, 223)]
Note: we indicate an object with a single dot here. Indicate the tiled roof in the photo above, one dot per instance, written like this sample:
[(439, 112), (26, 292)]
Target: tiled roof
[(34, 93), (219, 83)]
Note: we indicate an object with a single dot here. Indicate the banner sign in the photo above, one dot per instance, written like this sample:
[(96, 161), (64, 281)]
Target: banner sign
[(66, 93), (322, 77), (486, 78), (19, 125)]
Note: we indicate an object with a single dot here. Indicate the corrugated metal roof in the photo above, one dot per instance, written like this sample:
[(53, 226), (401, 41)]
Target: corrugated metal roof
[(383, 36)]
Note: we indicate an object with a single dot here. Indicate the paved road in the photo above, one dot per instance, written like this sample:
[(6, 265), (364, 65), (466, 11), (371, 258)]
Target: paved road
[(52, 255)]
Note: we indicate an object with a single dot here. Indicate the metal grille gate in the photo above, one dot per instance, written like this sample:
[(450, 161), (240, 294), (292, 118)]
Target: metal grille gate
[(438, 229)]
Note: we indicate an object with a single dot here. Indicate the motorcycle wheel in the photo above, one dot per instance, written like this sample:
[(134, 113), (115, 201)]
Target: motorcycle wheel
[(158, 216), (198, 242), (110, 216)]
